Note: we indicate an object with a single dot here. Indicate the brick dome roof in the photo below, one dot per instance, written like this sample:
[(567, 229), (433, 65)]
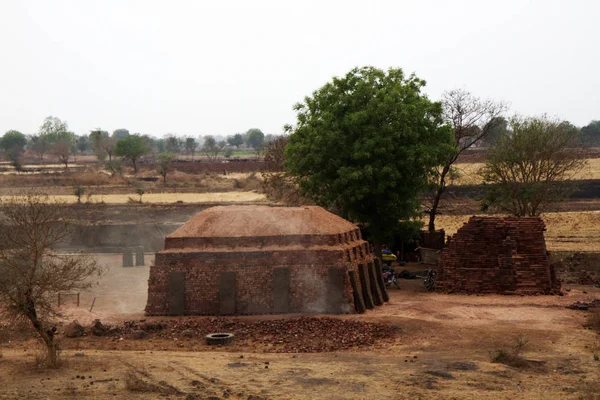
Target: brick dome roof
[(262, 225)]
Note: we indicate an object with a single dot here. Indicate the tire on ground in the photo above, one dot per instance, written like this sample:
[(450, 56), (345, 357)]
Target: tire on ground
[(219, 338)]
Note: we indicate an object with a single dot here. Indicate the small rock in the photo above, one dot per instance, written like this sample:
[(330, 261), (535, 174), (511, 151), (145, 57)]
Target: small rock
[(79, 354), (188, 333)]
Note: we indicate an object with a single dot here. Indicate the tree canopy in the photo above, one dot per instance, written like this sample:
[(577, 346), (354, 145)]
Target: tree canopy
[(132, 148), (236, 140), (54, 130), (255, 138), (531, 166), (120, 133), (366, 144), (12, 140)]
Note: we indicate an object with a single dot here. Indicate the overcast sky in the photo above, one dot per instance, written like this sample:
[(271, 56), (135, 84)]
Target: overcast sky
[(221, 67)]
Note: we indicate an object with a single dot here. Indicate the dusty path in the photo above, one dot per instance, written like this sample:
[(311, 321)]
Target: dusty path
[(443, 351)]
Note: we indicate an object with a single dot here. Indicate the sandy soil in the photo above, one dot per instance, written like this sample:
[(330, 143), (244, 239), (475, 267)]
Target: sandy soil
[(443, 350)]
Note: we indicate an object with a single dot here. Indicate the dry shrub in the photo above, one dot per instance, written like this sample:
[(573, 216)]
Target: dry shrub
[(513, 358)]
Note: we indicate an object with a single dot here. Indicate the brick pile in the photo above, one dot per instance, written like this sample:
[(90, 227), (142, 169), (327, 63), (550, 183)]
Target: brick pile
[(497, 255), (264, 260)]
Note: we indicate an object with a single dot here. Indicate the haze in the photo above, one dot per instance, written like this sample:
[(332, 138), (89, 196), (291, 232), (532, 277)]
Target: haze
[(197, 68)]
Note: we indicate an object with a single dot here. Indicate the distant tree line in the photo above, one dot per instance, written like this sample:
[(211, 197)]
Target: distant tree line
[(56, 140)]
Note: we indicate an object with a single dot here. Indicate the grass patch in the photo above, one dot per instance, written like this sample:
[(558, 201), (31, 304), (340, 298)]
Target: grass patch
[(512, 357)]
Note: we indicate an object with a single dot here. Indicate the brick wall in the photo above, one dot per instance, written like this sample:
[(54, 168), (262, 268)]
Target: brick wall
[(497, 255), (314, 285)]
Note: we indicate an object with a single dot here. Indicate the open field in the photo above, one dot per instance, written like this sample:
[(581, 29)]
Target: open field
[(442, 349), (468, 173), (157, 198)]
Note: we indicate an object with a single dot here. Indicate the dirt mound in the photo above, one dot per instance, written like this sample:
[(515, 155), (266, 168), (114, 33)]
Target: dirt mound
[(293, 335), (74, 329), (236, 221)]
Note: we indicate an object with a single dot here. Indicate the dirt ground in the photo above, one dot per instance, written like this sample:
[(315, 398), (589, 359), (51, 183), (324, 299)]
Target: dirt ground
[(442, 349)]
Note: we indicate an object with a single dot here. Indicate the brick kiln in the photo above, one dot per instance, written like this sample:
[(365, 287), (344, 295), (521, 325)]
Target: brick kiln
[(497, 255), (262, 260)]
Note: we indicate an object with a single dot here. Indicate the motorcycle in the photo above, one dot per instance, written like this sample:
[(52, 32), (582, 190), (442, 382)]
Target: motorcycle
[(389, 277)]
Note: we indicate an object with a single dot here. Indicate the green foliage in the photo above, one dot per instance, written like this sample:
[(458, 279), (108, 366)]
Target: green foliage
[(255, 138), (236, 140), (132, 148), (590, 134), (113, 167), (120, 133), (228, 152), (163, 163), (78, 192), (211, 148), (191, 145), (82, 143), (172, 144), (54, 130), (13, 140), (140, 192), (498, 128), (366, 144), (531, 167)]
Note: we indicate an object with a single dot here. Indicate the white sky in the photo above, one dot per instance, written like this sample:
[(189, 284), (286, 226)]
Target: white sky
[(220, 67)]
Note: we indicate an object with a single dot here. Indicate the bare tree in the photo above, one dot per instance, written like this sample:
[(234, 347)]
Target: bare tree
[(163, 164), (62, 150), (532, 166), (211, 148), (32, 272), (471, 120)]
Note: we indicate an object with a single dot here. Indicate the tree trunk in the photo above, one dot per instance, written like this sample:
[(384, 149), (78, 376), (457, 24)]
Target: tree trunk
[(436, 200), (47, 336), (165, 179), (134, 165), (377, 245)]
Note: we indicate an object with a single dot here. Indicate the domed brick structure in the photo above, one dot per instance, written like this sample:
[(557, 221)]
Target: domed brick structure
[(497, 255), (262, 260)]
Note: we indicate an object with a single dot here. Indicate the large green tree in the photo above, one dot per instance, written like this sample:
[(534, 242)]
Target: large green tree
[(54, 130), (366, 144), (532, 166), (132, 148), (255, 138), (13, 140), (236, 140), (590, 134)]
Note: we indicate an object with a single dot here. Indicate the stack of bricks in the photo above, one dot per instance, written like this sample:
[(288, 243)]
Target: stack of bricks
[(255, 271), (497, 255)]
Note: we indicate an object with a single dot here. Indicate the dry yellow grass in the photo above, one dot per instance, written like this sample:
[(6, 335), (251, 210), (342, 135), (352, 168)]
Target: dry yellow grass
[(468, 173), (223, 197), (566, 231)]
